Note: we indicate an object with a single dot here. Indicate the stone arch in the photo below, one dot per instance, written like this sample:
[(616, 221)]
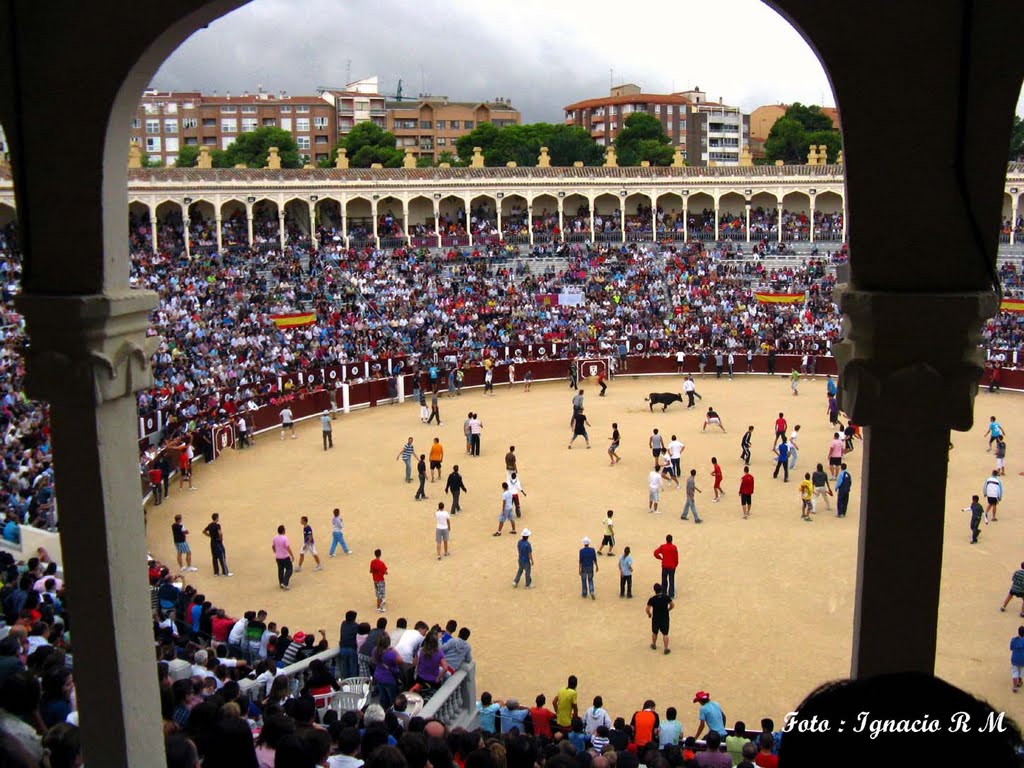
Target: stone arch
[(483, 218), (234, 223), (700, 216), (359, 221), (828, 217), (607, 217), (170, 226), (390, 221), (796, 212), (296, 222), (266, 225), (422, 226), (327, 216), (515, 218), (669, 206), (452, 220), (732, 216), (542, 211), (8, 215), (637, 207), (764, 216), (140, 226)]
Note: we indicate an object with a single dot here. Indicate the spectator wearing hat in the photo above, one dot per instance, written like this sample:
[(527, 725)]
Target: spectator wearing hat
[(512, 716), (710, 714), (588, 564), (525, 550)]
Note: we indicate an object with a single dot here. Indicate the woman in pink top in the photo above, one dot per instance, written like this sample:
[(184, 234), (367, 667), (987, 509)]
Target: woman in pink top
[(283, 554), (835, 455)]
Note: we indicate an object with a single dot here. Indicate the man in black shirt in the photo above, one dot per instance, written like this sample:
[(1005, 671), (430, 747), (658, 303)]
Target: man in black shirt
[(658, 607), (455, 486), (180, 536), (349, 661), (213, 530)]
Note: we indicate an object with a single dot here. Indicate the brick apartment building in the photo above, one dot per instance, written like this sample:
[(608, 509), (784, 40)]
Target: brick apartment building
[(358, 102), (432, 124), (706, 131), (166, 121)]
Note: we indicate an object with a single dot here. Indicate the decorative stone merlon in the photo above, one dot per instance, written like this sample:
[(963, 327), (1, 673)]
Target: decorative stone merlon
[(477, 161), (134, 156), (510, 164), (839, 158), (204, 160), (444, 165), (909, 359), (273, 158), (812, 155), (88, 346), (745, 157), (341, 161), (645, 163), (577, 164), (677, 158), (376, 166), (409, 161), (544, 161), (240, 166), (822, 154), (609, 158)]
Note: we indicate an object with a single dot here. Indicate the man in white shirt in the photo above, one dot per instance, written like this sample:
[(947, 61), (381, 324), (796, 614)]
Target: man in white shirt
[(442, 529), (286, 422), (794, 448), (410, 641), (993, 493), (690, 388), (654, 490), (506, 514), (675, 450)]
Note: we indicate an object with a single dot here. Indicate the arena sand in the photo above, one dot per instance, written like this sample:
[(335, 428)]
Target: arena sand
[(764, 606)]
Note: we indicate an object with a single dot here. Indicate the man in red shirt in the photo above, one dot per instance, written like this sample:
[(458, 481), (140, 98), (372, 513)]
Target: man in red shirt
[(378, 571), (541, 718), (780, 429), (220, 626), (668, 554), (600, 382), (746, 491), (156, 478)]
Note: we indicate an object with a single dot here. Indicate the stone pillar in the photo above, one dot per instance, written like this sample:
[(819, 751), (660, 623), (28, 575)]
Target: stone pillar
[(280, 226), (497, 212), (748, 220), (686, 218), (273, 158), (409, 161), (654, 217), (593, 234), (204, 160), (677, 158), (477, 161), (561, 220), (716, 218), (1013, 221), (610, 160), (87, 359), (846, 216), (909, 370), (248, 222), (152, 225), (622, 218), (529, 218), (469, 229), (341, 161), (185, 226), (437, 221), (373, 217), (405, 222), (220, 234), (544, 161), (811, 218), (344, 216), (812, 155), (779, 227), (134, 156), (312, 226)]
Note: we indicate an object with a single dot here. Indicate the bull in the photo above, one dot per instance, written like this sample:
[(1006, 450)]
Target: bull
[(665, 399)]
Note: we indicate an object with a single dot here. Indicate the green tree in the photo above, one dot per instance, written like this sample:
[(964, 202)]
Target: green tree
[(643, 138), (253, 147), (483, 136), (148, 163), (792, 135), (367, 144), (424, 161), (810, 117), (1017, 139), (188, 156), (568, 144)]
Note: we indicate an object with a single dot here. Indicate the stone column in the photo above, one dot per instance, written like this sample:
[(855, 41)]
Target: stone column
[(248, 222), (846, 216), (748, 220), (469, 230), (779, 223), (185, 227), (344, 221), (1013, 221), (716, 218), (280, 226), (686, 218), (622, 218), (87, 359), (497, 211), (437, 221), (405, 222), (220, 234), (561, 220), (811, 219), (373, 218), (312, 225), (593, 235), (909, 372), (529, 218), (152, 224), (654, 217)]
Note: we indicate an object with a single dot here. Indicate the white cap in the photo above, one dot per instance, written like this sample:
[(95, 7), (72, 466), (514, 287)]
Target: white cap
[(586, 541), (526, 532)]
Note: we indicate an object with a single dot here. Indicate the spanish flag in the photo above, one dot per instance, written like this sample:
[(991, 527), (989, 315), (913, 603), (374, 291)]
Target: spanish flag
[(1012, 305), (779, 298), (294, 320)]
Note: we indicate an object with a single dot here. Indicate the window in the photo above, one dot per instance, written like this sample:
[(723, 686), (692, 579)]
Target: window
[(408, 141), (440, 125), (468, 125), (189, 123), (426, 143), (226, 141), (249, 110), (405, 125), (426, 124), (302, 124), (209, 122), (171, 159), (302, 142), (156, 159), (151, 109), (170, 126), (286, 123), (152, 126), (228, 125), (362, 105), (269, 122), (189, 105), (249, 124), (321, 139), (455, 125), (136, 124), (657, 109), (227, 110), (320, 158), (285, 110), (442, 142), (320, 122), (668, 126), (191, 141), (210, 141), (171, 108), (302, 110), (152, 143), (171, 145)]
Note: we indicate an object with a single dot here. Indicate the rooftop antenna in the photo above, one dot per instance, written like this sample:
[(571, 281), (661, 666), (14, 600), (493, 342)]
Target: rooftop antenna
[(348, 71), (611, 78)]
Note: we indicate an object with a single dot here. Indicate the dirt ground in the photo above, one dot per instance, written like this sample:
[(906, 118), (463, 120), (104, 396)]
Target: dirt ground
[(764, 606)]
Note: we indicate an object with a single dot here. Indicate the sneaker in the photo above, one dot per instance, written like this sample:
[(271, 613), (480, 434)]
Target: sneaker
[(515, 584), (285, 587), (331, 555), (654, 647), (191, 568), (298, 569), (698, 521), (349, 552), (593, 596), (667, 651), (318, 568), (229, 574), (439, 557), (529, 586)]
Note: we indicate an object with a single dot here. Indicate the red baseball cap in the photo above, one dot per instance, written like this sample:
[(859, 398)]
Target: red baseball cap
[(701, 696)]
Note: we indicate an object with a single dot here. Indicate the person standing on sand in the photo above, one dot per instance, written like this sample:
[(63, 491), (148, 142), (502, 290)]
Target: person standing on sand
[(658, 607), (613, 448), (455, 487), (525, 559), (282, 550), (691, 504), (746, 491)]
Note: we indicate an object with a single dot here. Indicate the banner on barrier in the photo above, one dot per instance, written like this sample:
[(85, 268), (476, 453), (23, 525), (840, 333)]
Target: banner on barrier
[(150, 424)]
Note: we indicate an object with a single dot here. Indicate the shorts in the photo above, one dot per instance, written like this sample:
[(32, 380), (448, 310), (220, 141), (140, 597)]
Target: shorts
[(608, 540), (613, 447), (656, 452), (806, 506), (506, 515), (288, 425), (441, 534), (999, 463), (378, 589), (183, 548), (715, 420), (1016, 593), (745, 499), (835, 461), (993, 500), (1015, 671), (654, 496), (435, 464), (659, 626), (309, 549)]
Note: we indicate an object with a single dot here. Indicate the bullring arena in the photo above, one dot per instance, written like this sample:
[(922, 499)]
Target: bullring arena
[(764, 607)]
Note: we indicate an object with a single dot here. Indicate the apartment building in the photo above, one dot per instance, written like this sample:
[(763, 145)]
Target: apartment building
[(358, 102), (706, 131), (764, 117), (430, 125), (166, 121)]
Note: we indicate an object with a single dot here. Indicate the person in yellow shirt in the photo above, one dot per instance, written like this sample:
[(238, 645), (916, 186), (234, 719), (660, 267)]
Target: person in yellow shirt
[(436, 456), (565, 705), (806, 493), (609, 535)]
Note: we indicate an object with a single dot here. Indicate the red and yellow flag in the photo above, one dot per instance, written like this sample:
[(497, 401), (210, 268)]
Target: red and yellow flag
[(1012, 305), (294, 320), (779, 298)]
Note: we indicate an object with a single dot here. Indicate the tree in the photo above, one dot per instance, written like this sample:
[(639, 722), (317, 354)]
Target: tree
[(149, 163), (792, 135), (521, 144), (568, 144), (188, 156), (367, 144), (810, 117), (643, 138), (424, 161), (252, 148), (1017, 139), (483, 136)]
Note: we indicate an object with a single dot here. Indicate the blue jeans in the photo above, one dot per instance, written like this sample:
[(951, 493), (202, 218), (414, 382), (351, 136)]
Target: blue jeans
[(349, 663), (408, 469), (668, 581), (587, 581), (338, 540), (792, 456), (524, 568), (690, 505), (387, 693)]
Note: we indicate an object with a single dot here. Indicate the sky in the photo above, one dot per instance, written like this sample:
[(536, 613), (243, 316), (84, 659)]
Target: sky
[(540, 54)]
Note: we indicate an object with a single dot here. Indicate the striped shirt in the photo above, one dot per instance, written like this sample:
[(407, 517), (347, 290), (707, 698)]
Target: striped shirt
[(407, 452)]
